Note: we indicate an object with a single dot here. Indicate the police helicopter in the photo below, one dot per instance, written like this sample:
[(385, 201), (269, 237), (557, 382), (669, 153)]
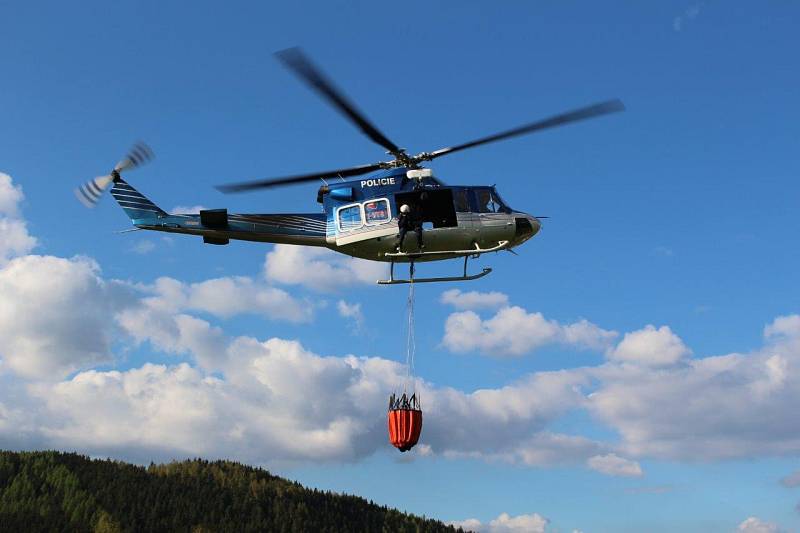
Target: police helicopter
[(360, 216)]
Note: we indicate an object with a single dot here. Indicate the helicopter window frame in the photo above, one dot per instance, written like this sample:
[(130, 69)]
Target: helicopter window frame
[(494, 205), (350, 227), (504, 207), (378, 222)]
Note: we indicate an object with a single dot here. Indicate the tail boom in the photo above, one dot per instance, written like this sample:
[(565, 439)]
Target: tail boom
[(305, 229)]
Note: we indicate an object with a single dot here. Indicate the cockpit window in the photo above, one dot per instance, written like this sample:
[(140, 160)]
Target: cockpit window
[(503, 206), (489, 201)]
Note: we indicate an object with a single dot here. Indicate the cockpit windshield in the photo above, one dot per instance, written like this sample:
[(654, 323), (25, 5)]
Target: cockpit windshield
[(504, 207), (488, 201)]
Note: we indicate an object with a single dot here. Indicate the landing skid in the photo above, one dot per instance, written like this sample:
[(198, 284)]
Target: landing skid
[(412, 279)]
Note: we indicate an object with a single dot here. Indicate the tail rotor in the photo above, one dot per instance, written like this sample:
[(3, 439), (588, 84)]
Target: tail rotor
[(138, 156), (90, 192)]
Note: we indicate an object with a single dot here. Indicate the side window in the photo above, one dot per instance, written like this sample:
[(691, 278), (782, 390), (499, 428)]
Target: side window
[(461, 200), (376, 211), (350, 218)]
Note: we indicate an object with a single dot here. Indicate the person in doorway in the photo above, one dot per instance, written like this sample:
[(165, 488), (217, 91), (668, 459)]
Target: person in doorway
[(409, 220)]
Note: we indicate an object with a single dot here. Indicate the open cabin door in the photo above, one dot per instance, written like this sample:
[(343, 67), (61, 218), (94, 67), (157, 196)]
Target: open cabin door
[(364, 220), (435, 205)]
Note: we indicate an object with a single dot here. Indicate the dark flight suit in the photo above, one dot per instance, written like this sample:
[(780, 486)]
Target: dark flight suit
[(409, 222)]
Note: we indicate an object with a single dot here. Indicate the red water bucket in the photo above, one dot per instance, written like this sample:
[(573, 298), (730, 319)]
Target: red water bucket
[(405, 426)]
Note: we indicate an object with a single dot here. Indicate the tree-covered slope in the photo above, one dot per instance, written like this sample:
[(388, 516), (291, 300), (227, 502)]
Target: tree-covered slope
[(53, 491)]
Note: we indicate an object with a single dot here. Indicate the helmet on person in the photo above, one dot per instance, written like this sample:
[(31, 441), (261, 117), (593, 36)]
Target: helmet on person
[(404, 208)]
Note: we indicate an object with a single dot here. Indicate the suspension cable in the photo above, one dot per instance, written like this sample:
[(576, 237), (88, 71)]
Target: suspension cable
[(411, 346)]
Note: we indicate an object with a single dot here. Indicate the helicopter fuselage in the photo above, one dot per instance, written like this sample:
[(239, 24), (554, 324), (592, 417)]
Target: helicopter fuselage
[(360, 216), (360, 220)]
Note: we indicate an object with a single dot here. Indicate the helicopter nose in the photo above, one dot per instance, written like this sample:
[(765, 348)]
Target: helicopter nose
[(536, 223), (526, 227)]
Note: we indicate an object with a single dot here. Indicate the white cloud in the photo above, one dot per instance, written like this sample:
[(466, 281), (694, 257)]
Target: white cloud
[(227, 297), (352, 312), (14, 237), (525, 523), (719, 407), (59, 315), (143, 247), (470, 524), (319, 269), (276, 402), (175, 334), (689, 14), (650, 347), (662, 251), (275, 394), (153, 406), (513, 331), (474, 299), (10, 196), (756, 525), (541, 449), (231, 296), (509, 423), (56, 315), (162, 318), (614, 465), (776, 370), (783, 329), (250, 400)]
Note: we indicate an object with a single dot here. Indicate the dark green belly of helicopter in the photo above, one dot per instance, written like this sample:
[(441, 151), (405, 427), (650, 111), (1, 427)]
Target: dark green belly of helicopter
[(473, 229)]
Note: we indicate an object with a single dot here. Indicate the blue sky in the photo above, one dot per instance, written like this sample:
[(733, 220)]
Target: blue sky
[(679, 213)]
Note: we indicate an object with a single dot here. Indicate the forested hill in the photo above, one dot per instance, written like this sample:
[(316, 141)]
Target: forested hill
[(53, 491)]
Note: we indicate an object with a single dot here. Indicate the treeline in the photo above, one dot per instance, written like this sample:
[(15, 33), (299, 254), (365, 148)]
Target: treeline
[(53, 491)]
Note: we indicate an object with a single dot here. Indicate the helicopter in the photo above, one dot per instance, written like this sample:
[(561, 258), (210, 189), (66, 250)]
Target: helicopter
[(360, 216)]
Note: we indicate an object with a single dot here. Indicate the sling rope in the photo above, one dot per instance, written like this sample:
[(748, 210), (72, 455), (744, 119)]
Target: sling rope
[(411, 346)]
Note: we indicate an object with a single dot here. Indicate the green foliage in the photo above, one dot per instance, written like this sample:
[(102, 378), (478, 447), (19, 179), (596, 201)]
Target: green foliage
[(53, 491)]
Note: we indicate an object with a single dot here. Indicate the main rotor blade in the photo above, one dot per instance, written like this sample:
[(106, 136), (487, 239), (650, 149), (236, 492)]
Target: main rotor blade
[(296, 60), (596, 110), (288, 180)]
